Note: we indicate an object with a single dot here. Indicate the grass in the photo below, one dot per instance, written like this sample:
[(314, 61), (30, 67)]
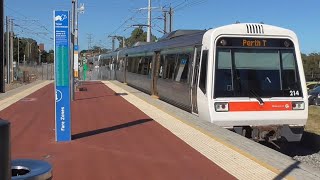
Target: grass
[(313, 123)]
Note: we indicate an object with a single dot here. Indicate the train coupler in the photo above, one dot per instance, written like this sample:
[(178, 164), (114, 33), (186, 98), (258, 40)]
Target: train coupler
[(266, 133)]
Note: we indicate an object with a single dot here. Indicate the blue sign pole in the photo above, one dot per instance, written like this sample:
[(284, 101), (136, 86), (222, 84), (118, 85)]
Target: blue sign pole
[(62, 76)]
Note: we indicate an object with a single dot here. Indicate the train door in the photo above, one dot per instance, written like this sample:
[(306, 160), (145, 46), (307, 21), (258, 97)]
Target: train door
[(194, 79)]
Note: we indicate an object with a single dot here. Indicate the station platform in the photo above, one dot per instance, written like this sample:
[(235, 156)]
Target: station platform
[(121, 133)]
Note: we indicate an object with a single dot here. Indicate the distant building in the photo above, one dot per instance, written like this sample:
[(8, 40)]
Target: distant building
[(41, 47)]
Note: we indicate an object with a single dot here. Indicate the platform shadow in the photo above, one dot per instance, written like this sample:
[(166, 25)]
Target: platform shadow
[(311, 141), (86, 83), (285, 172), (108, 129), (121, 94), (96, 97)]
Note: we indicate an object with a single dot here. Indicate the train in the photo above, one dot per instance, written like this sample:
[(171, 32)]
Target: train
[(246, 77)]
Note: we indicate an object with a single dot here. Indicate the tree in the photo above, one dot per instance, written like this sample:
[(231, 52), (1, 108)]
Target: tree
[(311, 66), (137, 35), (50, 56)]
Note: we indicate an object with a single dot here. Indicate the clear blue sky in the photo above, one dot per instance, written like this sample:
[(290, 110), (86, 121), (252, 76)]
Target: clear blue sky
[(103, 18)]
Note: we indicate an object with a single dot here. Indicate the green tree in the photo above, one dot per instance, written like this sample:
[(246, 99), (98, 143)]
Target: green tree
[(137, 35), (50, 56), (311, 66)]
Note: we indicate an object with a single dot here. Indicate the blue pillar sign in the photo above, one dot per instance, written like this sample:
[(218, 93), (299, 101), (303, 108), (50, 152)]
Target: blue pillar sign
[(62, 76)]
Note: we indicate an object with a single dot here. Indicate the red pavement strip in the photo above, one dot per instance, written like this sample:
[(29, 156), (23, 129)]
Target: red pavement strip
[(112, 139)]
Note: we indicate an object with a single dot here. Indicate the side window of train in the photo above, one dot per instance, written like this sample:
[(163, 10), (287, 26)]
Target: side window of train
[(129, 64), (169, 66), (162, 71), (182, 67), (203, 72), (144, 65)]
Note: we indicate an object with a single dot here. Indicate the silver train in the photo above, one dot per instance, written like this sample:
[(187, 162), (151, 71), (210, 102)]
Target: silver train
[(244, 77)]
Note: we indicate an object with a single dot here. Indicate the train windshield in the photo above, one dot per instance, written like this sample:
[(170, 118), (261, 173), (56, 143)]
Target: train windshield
[(256, 72)]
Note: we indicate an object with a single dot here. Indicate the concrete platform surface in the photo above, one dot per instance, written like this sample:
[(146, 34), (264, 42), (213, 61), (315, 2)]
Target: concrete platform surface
[(112, 139), (280, 164)]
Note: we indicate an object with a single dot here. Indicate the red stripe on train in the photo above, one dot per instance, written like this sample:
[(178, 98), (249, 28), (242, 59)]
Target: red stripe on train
[(255, 106)]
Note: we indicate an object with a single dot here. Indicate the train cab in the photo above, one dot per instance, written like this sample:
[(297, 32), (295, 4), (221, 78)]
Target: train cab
[(252, 81)]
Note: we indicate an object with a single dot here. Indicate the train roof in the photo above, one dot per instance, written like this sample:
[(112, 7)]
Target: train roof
[(175, 39), (179, 38)]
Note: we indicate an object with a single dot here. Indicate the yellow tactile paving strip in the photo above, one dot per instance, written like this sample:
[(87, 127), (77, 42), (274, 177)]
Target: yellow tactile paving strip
[(12, 99), (233, 162)]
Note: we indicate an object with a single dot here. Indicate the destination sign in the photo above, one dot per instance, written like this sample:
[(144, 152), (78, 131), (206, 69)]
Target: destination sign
[(254, 42)]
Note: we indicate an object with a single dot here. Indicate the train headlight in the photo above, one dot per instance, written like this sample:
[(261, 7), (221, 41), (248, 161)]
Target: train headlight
[(287, 43), (297, 105), (223, 42), (221, 107)]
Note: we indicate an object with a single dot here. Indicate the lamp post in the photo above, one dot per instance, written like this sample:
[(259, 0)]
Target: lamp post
[(74, 31), (29, 49)]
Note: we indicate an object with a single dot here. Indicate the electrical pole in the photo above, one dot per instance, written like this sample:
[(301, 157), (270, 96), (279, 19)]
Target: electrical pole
[(18, 51), (89, 41), (2, 83), (73, 14), (170, 19), (124, 44), (149, 22), (8, 50), (113, 43), (165, 22), (11, 50), (39, 56), (118, 38)]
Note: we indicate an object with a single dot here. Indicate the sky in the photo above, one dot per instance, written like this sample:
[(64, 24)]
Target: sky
[(33, 18)]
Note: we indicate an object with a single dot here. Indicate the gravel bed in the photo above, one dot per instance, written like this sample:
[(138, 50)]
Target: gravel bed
[(312, 160), (300, 152)]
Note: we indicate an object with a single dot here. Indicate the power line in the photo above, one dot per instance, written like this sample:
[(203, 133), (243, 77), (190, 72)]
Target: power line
[(90, 39), (39, 24), (190, 4), (35, 35)]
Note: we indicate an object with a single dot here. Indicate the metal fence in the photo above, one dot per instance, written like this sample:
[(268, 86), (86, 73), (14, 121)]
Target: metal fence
[(97, 73), (25, 73), (30, 72)]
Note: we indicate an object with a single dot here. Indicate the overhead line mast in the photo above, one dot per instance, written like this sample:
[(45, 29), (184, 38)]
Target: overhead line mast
[(149, 22)]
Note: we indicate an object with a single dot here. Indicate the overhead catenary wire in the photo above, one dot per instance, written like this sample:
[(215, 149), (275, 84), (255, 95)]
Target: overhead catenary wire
[(176, 5), (30, 28), (27, 18)]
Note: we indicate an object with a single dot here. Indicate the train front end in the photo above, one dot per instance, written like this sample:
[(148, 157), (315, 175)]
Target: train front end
[(255, 82)]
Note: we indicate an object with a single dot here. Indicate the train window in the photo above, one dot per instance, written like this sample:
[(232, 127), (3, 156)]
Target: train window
[(162, 69), (121, 64), (203, 72), (129, 64), (257, 70), (170, 66), (290, 76), (223, 76), (136, 61), (182, 66), (148, 65), (132, 64), (248, 72), (140, 66)]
